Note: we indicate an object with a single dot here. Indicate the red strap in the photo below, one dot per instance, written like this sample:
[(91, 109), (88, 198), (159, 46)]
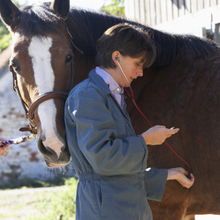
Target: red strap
[(131, 95)]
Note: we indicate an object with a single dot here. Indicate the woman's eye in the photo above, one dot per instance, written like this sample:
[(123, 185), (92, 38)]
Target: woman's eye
[(69, 58)]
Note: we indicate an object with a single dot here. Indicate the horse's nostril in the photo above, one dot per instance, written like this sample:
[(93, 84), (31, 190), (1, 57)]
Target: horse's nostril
[(41, 147), (45, 149)]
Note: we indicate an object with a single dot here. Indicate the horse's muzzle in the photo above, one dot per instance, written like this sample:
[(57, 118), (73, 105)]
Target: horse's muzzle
[(50, 156)]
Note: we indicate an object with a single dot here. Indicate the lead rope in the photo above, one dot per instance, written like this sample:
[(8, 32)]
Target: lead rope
[(131, 96), (18, 140)]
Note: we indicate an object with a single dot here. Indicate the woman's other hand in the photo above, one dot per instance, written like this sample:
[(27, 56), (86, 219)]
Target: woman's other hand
[(179, 174)]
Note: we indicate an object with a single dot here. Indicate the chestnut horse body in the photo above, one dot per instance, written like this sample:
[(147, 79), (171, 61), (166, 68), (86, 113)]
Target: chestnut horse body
[(181, 89)]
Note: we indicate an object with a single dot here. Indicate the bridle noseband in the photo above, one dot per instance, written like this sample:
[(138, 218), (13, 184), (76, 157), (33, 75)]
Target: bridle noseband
[(29, 111)]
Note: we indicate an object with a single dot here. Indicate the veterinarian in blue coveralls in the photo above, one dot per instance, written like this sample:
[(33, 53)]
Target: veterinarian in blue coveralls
[(107, 155)]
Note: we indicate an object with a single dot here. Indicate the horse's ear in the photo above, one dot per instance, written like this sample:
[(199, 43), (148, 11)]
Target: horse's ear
[(8, 12), (61, 7)]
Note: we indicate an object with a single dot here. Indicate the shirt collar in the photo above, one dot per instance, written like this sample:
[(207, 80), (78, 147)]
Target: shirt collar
[(109, 80)]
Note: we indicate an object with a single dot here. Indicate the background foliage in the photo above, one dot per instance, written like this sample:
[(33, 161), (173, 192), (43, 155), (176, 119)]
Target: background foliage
[(5, 36), (60, 205), (116, 8)]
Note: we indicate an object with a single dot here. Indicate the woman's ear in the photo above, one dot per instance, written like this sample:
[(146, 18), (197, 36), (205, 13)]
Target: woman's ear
[(116, 57)]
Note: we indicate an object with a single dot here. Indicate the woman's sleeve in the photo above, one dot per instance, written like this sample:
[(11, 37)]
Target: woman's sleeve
[(97, 137), (155, 182)]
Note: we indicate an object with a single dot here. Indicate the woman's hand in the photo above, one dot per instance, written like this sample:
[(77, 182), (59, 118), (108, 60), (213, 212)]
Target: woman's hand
[(179, 174), (158, 134), (3, 149)]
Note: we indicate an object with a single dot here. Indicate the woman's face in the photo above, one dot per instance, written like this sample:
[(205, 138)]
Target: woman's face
[(132, 68)]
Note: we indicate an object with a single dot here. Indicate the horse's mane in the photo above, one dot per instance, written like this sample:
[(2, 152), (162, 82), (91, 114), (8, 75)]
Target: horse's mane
[(87, 26), (172, 48), (90, 25), (37, 20)]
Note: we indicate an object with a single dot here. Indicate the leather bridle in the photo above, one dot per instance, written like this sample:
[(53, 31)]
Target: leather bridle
[(29, 110)]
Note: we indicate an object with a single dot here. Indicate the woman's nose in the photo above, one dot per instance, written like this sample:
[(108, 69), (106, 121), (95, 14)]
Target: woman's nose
[(140, 72)]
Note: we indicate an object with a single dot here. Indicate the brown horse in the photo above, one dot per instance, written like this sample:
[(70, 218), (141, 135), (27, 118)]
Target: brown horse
[(181, 89)]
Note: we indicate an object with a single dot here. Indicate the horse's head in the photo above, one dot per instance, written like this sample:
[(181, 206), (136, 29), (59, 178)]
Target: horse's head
[(41, 63)]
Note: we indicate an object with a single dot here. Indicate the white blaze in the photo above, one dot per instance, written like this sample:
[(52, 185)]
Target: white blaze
[(44, 79)]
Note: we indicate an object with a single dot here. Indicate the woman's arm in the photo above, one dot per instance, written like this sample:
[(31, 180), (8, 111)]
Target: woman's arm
[(91, 124), (155, 181)]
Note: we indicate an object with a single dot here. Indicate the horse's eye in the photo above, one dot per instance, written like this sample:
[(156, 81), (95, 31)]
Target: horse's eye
[(69, 58), (15, 65)]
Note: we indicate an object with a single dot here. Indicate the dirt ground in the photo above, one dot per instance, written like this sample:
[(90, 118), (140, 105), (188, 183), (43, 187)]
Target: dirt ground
[(16, 204)]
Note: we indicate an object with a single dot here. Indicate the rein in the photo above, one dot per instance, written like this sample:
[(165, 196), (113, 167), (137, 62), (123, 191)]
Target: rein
[(130, 94)]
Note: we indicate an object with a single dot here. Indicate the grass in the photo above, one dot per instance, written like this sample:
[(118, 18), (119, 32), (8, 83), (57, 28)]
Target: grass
[(61, 203), (40, 204)]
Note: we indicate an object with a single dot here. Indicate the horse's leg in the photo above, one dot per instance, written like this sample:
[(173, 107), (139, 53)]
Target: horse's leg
[(171, 212), (174, 204), (189, 217), (176, 213)]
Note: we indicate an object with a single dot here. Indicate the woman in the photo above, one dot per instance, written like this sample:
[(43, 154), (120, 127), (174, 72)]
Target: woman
[(107, 155)]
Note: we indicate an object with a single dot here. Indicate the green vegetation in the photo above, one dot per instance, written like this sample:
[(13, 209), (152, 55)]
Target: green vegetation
[(48, 203), (116, 8), (5, 36), (15, 183), (59, 205)]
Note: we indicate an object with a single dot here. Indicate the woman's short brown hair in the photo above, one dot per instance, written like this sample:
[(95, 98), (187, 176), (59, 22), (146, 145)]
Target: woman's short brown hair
[(129, 40)]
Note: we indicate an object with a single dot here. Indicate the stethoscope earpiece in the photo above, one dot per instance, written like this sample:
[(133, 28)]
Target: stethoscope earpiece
[(117, 59)]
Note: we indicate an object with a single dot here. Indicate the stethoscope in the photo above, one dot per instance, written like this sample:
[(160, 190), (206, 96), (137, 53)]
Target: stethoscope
[(131, 95)]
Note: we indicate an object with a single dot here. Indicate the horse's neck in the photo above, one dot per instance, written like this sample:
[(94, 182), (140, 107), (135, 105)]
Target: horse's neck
[(139, 86), (82, 66)]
